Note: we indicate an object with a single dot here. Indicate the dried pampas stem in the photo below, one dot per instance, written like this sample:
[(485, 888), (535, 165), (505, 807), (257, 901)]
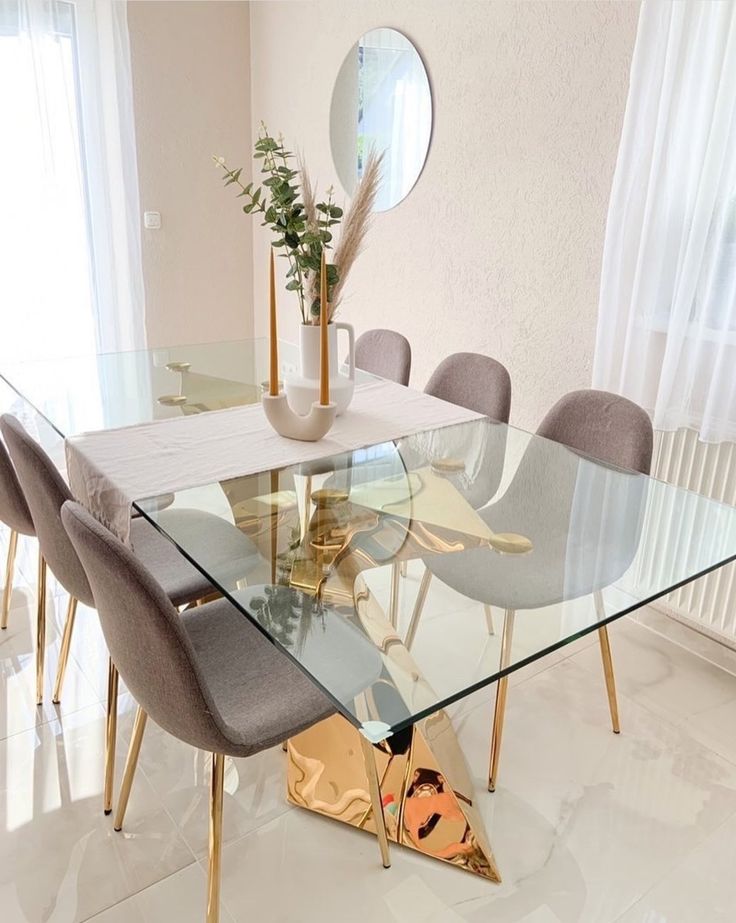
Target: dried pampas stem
[(356, 223), (308, 195)]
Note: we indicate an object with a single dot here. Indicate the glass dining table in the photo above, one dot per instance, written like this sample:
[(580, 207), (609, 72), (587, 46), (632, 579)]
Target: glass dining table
[(521, 546)]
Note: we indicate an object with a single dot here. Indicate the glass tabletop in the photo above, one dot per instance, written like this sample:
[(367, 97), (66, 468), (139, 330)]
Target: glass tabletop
[(498, 529), (77, 394)]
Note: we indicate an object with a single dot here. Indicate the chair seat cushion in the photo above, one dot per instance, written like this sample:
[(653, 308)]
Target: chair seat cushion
[(220, 548), (262, 697), (583, 519)]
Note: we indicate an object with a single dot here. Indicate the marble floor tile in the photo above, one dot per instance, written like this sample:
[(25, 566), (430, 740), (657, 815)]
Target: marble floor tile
[(18, 709), (180, 898), (701, 889), (673, 682), (60, 860)]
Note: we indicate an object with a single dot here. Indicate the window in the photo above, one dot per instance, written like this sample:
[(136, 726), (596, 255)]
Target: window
[(46, 283)]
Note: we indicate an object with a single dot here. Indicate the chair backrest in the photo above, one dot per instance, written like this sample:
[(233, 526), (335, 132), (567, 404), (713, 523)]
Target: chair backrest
[(144, 634), (14, 510), (605, 426), (385, 353), (474, 381), (45, 492)]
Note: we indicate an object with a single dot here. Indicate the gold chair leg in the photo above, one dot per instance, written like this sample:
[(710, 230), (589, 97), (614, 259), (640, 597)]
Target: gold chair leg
[(66, 643), (9, 572), (610, 679), (418, 607), (111, 728), (403, 568), (605, 644), (393, 603), (489, 619), (139, 726), (499, 712), (374, 786), (215, 857), (40, 627)]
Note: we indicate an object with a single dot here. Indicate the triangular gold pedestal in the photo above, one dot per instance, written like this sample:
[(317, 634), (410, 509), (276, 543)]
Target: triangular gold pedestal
[(425, 788)]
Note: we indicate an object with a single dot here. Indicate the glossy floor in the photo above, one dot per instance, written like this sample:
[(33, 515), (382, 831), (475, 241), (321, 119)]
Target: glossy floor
[(586, 827)]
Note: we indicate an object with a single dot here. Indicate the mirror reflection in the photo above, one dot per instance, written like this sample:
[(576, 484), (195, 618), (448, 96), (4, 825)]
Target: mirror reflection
[(382, 99)]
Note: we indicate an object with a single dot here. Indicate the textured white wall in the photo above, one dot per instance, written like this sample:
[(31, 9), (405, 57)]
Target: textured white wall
[(498, 247), (191, 83)]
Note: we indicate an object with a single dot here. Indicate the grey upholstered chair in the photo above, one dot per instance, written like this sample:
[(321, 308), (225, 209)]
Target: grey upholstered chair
[(385, 353), (209, 677), (569, 560), (46, 492), (479, 383), (14, 513), (474, 381)]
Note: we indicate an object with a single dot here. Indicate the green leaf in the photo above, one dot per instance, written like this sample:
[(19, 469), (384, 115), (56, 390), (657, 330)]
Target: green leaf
[(266, 145), (333, 276), (335, 211), (293, 286)]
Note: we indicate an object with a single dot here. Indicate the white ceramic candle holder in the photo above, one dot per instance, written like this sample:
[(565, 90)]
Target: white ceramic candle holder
[(291, 425)]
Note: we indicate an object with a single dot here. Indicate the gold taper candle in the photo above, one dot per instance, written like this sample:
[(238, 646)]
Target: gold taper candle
[(324, 349), (273, 372)]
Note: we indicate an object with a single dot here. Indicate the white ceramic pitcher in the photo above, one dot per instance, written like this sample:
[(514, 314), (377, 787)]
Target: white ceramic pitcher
[(302, 390)]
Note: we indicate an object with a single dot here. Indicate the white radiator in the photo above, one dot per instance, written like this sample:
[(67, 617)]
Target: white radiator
[(708, 604)]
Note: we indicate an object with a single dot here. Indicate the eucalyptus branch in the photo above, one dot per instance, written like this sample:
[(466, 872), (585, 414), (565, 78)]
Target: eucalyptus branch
[(302, 228)]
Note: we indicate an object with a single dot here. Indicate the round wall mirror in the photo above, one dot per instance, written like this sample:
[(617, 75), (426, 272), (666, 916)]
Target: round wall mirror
[(382, 100)]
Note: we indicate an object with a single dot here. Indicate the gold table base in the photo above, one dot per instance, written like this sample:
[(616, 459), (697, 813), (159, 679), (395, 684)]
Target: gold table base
[(426, 789)]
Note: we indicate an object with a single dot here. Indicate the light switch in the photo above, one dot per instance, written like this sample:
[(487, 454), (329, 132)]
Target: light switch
[(152, 220)]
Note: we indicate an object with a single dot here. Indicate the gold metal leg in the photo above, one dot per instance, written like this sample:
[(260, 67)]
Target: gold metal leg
[(66, 642), (605, 644), (610, 679), (376, 803), (110, 734), (40, 627), (499, 711), (403, 568), (393, 604), (139, 726), (9, 571), (489, 619), (418, 607), (216, 793)]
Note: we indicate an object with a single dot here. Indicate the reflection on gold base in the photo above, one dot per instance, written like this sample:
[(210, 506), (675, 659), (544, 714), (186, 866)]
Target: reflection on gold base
[(426, 790)]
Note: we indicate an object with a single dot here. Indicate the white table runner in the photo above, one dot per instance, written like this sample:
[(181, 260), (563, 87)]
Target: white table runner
[(110, 469)]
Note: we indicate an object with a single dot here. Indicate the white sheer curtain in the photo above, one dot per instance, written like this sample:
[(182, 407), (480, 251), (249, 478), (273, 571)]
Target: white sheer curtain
[(667, 321), (71, 279)]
